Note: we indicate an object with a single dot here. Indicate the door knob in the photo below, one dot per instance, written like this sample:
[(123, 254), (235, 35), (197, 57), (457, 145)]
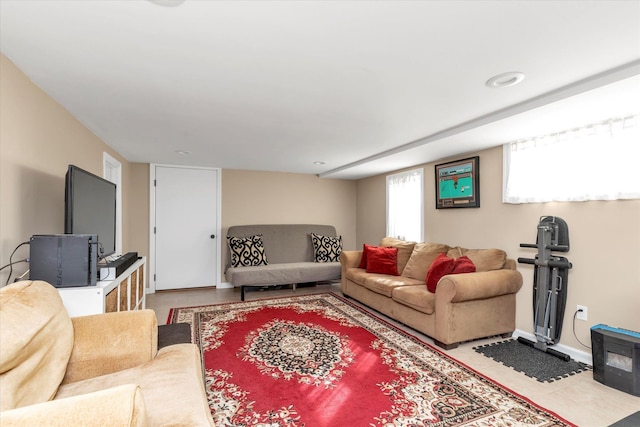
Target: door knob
[(213, 236)]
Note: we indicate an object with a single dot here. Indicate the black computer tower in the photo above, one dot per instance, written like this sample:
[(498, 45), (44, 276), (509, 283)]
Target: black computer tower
[(64, 260)]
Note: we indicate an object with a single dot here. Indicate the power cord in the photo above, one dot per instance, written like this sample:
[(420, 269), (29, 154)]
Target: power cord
[(14, 262), (17, 279), (574, 329), (10, 265)]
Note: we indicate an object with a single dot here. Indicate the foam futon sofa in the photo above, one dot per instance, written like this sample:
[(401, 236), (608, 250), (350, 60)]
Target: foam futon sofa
[(99, 370), (451, 294), (281, 254)]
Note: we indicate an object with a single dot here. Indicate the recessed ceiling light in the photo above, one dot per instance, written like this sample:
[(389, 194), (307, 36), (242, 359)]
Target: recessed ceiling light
[(167, 3), (505, 79), (183, 152), (318, 163)]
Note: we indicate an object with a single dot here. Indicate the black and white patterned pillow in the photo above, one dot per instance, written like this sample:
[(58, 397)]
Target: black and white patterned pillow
[(325, 248), (247, 251)]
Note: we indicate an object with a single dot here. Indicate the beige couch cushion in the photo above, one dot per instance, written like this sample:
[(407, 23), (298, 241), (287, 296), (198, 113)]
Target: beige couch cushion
[(357, 275), (483, 259), (404, 247), (383, 284), (416, 297), (421, 258), (34, 354)]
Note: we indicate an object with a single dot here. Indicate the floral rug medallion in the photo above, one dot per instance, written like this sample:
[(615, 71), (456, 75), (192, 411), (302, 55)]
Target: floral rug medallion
[(287, 349), (319, 360)]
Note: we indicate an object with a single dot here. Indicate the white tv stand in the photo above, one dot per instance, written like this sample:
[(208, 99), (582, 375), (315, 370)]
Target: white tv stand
[(126, 292)]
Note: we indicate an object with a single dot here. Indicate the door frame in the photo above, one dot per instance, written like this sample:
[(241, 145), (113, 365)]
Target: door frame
[(112, 171), (152, 215)]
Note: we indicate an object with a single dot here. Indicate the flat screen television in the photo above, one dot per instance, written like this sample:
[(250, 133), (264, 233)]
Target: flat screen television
[(90, 208)]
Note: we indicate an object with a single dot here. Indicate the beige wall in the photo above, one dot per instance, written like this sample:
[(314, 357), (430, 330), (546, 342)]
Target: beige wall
[(38, 140), (604, 237), (137, 237), (250, 197), (371, 210)]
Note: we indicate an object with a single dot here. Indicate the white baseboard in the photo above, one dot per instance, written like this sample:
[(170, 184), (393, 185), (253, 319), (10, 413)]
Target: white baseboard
[(575, 354), (221, 285), (224, 285)]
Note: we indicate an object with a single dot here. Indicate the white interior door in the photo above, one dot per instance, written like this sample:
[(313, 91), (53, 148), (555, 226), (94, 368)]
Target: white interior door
[(186, 227)]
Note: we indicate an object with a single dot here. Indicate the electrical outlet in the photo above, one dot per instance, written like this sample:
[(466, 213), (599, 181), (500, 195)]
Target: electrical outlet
[(582, 312)]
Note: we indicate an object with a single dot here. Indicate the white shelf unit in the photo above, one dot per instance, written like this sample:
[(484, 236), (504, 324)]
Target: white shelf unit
[(126, 292)]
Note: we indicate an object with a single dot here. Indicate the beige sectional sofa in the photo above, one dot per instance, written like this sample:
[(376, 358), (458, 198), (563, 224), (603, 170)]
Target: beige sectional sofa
[(463, 307)]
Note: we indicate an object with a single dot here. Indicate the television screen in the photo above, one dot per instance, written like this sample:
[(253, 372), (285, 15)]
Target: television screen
[(90, 208)]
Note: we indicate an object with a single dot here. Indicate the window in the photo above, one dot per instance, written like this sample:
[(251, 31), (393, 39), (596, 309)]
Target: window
[(595, 162), (405, 205)]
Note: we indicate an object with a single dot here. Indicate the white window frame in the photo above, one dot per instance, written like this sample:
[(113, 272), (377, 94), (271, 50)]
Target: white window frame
[(415, 205), (594, 162)]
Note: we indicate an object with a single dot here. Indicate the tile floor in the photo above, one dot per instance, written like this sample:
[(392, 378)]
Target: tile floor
[(578, 398)]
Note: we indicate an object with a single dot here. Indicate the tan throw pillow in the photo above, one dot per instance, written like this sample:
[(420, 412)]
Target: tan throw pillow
[(404, 249), (487, 259), (421, 258), (456, 252)]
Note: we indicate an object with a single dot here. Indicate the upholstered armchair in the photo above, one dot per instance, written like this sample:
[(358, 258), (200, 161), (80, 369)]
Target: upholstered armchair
[(101, 370)]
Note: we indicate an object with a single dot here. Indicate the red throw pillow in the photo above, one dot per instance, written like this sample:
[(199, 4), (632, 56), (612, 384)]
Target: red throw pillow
[(463, 265), (365, 251), (383, 261), (441, 266), (444, 265)]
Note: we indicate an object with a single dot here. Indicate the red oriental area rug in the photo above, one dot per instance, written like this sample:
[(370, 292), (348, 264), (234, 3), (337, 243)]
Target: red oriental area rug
[(319, 360)]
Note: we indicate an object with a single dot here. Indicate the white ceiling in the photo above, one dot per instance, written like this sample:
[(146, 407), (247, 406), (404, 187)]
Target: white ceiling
[(364, 86)]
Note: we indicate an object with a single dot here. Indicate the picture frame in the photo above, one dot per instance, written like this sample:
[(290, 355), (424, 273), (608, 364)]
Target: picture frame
[(458, 184)]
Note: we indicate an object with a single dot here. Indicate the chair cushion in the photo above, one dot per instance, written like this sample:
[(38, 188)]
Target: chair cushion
[(171, 384), (483, 259), (417, 297), (36, 339), (384, 284), (421, 258), (118, 406)]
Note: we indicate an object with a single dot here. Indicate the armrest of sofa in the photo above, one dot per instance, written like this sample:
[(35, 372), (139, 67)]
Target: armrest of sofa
[(117, 406), (478, 285), (350, 259), (111, 342)]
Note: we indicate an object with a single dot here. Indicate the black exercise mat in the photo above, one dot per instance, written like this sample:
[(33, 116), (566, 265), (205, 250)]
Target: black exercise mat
[(632, 420), (531, 362)]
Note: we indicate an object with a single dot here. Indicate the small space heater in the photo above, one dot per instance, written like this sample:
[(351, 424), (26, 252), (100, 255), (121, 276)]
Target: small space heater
[(616, 358)]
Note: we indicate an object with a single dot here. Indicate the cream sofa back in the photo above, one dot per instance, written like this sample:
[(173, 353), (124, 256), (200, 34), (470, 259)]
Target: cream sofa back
[(414, 259)]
